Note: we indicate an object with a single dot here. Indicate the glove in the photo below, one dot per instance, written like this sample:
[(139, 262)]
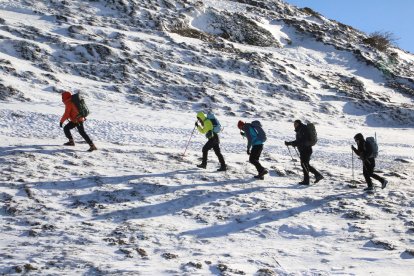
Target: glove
[(248, 151), (287, 143), (61, 124), (196, 124), (352, 147)]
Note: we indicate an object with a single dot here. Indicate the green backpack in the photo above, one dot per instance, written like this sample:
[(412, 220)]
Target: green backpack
[(80, 104)]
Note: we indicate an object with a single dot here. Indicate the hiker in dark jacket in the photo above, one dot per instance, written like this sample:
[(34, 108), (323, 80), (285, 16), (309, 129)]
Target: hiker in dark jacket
[(205, 126), (305, 152), (256, 145), (72, 114), (365, 151)]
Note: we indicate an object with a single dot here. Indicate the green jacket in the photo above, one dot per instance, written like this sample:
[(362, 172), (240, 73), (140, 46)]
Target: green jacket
[(207, 127)]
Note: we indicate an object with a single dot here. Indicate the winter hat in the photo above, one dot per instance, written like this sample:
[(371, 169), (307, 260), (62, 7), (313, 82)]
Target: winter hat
[(66, 95), (240, 124), (359, 137)]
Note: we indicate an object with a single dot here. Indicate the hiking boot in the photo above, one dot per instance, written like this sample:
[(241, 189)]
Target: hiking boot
[(263, 173), (69, 143), (318, 178), (222, 168), (202, 166), (384, 184), (260, 177), (303, 183), (369, 189), (92, 147)]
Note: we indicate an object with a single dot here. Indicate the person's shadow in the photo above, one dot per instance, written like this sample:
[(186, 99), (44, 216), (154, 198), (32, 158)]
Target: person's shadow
[(193, 196), (241, 223)]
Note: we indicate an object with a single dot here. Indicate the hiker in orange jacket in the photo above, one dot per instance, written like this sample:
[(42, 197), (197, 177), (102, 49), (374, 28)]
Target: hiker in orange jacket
[(71, 114)]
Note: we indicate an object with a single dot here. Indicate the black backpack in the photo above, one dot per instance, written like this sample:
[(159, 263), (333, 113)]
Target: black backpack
[(80, 104), (313, 135), (374, 147)]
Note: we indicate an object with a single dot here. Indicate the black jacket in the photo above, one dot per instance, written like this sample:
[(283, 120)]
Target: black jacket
[(302, 139), (363, 151)]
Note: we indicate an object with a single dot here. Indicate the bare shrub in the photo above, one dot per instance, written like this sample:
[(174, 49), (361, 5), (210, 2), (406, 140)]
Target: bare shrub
[(310, 12), (380, 40)]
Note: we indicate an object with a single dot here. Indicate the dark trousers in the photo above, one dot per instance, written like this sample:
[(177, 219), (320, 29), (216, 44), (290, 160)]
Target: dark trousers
[(305, 157), (368, 172), (81, 130), (213, 143), (254, 157)]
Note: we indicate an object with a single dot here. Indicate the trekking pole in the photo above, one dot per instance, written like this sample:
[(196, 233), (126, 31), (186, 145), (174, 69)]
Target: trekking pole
[(353, 177), (306, 169), (188, 143), (291, 156), (293, 160), (297, 153)]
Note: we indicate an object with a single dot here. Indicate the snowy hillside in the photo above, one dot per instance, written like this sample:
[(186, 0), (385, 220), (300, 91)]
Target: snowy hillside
[(137, 206)]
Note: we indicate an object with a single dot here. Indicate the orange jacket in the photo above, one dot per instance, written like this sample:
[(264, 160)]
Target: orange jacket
[(71, 111)]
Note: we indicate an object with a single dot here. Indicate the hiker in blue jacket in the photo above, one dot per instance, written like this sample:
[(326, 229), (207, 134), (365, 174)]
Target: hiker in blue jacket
[(254, 145)]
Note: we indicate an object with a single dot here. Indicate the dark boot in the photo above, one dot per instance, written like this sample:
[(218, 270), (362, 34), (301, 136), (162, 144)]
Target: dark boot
[(202, 166), (92, 147), (261, 177), (384, 184), (222, 168), (263, 172), (304, 183), (69, 143), (318, 178)]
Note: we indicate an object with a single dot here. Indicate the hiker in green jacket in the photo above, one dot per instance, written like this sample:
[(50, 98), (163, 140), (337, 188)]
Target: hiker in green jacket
[(205, 126)]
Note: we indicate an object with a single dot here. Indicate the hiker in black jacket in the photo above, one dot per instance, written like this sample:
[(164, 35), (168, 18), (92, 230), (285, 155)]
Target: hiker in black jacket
[(365, 153), (305, 151)]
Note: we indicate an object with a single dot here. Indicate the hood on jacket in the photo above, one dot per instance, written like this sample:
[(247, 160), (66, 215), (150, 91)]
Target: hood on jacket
[(299, 127), (298, 124), (66, 96), (359, 137), (201, 116)]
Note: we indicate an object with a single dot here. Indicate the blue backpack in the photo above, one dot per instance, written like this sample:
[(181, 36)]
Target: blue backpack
[(261, 135), (215, 122)]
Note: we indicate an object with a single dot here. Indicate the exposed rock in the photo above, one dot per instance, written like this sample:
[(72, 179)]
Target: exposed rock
[(169, 256), (8, 92), (384, 244)]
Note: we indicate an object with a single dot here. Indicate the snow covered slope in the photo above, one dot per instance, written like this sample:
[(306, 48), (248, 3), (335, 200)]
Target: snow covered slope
[(137, 206)]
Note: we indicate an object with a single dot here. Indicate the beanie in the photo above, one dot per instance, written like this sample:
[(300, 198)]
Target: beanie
[(240, 124)]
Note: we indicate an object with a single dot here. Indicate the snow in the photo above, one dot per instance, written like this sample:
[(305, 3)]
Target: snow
[(137, 206)]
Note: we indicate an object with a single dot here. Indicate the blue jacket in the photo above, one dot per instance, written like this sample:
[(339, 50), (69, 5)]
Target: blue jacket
[(251, 135)]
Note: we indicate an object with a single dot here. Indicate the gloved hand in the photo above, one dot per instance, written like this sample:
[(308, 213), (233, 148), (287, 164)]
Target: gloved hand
[(61, 124), (352, 147), (248, 151), (287, 143), (196, 124)]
